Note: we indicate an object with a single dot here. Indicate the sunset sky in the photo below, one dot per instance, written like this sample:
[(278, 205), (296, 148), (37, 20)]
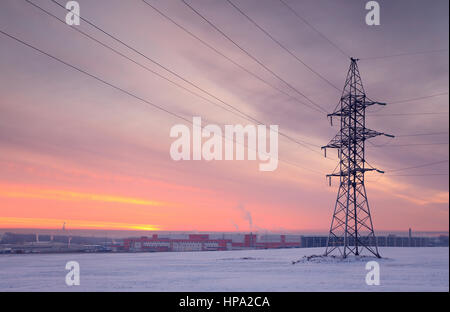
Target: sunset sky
[(77, 151)]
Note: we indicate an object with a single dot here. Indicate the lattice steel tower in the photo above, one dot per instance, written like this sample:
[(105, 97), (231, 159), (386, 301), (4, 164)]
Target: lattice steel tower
[(351, 230)]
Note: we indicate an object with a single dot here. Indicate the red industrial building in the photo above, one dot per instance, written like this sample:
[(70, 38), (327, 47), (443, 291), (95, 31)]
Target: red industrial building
[(195, 242), (201, 242)]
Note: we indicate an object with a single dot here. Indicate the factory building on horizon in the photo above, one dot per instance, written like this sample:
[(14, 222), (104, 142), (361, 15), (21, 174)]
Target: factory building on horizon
[(206, 242), (165, 242)]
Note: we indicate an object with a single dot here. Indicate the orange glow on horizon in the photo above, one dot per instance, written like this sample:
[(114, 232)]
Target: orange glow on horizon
[(73, 196), (12, 222)]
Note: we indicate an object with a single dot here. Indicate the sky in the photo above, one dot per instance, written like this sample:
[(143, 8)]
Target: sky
[(78, 151)]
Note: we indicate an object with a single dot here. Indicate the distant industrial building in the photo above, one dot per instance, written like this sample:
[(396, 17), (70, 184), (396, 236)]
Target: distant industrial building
[(33, 243), (194, 242), (203, 242)]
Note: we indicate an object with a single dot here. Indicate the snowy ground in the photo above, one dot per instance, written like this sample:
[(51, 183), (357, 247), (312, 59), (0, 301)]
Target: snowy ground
[(404, 269)]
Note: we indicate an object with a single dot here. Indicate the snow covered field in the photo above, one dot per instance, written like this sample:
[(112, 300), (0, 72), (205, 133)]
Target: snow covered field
[(404, 269)]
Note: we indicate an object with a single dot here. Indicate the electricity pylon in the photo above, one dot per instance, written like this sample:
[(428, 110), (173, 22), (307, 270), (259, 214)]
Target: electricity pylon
[(351, 230)]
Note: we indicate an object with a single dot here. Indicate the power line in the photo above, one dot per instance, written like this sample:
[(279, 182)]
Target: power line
[(416, 167), (418, 175), (94, 77), (128, 58), (252, 57), (188, 89), (282, 46), (420, 134), (381, 176), (420, 166), (417, 98), (413, 99), (403, 54), (222, 54), (242, 114), (409, 114), (153, 61), (121, 89), (315, 29), (412, 144), (232, 61)]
